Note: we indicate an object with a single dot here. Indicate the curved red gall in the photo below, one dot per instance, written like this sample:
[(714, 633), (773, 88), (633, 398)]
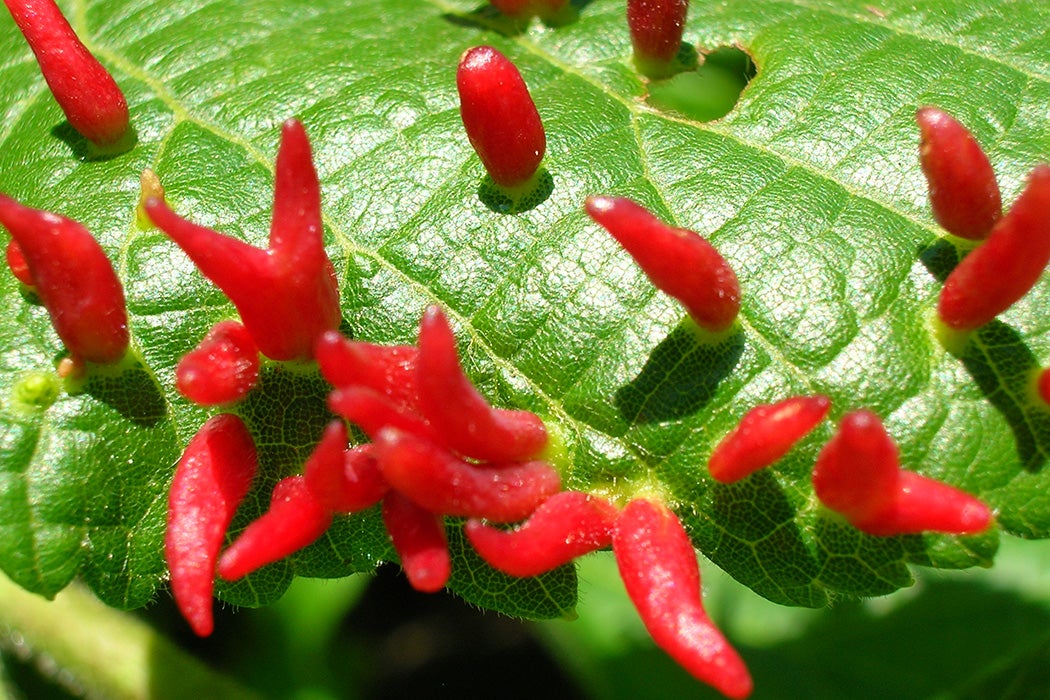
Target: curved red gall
[(211, 479), (222, 369), (658, 566), (679, 262), (964, 194), (295, 520), (389, 370), (764, 435), (87, 93), (499, 116), (286, 294), (442, 483), (74, 279), (418, 537), (656, 28), (456, 410), (858, 475), (1004, 267), (343, 479), (567, 525), (372, 412), (923, 504)]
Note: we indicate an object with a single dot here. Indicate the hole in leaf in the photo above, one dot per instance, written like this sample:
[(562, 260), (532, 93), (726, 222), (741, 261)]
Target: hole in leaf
[(711, 91)]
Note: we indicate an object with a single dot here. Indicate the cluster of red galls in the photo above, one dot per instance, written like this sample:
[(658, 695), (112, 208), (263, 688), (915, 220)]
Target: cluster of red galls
[(1012, 249), (437, 447)]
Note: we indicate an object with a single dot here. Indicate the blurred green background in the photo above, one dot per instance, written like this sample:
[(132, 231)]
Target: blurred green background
[(969, 634)]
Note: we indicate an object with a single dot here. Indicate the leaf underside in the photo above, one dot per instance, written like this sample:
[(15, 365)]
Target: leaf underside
[(811, 189)]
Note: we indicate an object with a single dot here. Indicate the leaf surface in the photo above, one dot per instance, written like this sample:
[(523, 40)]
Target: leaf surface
[(810, 187)]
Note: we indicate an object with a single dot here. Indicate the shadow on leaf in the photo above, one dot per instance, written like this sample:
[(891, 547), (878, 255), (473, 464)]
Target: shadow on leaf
[(547, 596), (86, 151), (1002, 366), (504, 201), (862, 565), (487, 17), (286, 413), (940, 258), (758, 534), (289, 408), (128, 388), (681, 376)]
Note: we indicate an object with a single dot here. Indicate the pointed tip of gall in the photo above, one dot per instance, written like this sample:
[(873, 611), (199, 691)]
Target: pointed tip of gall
[(434, 320), (477, 57), (929, 117), (203, 628), (963, 192), (597, 205), (975, 518), (292, 130)]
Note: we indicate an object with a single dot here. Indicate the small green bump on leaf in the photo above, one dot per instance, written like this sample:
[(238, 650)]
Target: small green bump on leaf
[(36, 391), (557, 451)]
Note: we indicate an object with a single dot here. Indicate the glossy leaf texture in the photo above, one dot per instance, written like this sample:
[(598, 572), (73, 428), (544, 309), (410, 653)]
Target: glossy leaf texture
[(811, 189)]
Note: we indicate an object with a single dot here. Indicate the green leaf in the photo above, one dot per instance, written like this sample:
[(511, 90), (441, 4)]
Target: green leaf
[(810, 187)]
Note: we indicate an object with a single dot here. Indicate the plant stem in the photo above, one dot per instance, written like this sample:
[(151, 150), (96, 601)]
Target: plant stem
[(106, 652)]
